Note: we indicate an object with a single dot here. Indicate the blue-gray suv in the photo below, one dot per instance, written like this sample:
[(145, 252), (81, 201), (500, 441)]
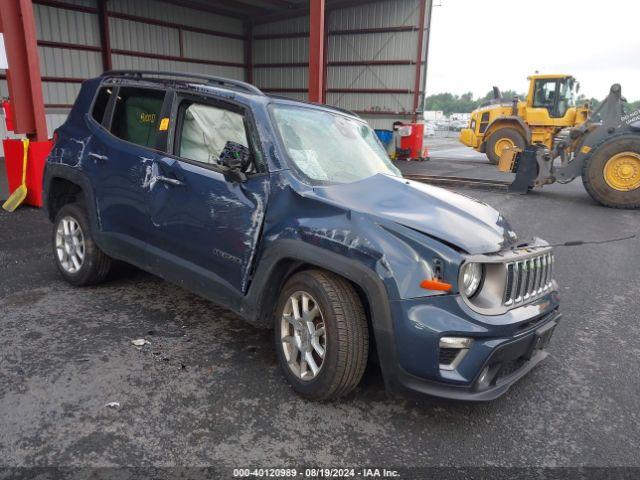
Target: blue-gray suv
[(292, 215)]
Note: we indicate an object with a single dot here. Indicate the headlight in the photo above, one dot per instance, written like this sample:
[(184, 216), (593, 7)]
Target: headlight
[(471, 278)]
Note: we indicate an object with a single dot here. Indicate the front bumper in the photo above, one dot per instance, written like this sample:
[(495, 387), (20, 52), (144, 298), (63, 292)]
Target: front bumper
[(468, 137), (503, 351)]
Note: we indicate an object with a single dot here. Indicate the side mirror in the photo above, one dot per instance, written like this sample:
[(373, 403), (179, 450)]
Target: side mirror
[(237, 159)]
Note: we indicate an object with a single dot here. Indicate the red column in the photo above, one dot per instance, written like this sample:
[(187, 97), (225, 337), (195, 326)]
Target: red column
[(416, 86), (316, 50), (23, 75), (325, 62)]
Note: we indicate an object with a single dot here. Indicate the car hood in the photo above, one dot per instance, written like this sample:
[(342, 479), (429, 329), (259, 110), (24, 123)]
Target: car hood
[(450, 217)]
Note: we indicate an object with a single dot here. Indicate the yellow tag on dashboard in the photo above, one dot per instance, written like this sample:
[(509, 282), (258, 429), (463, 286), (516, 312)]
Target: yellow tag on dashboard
[(164, 124)]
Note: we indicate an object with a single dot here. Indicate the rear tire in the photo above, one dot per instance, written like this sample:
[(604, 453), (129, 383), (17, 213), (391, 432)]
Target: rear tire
[(509, 136), (345, 343), (77, 256), (615, 163)]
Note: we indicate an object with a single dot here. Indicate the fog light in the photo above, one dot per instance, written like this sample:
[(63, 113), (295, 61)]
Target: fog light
[(455, 342), (452, 351)]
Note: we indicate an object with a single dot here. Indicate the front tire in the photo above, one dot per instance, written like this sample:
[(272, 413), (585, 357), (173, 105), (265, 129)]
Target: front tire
[(77, 256), (501, 139), (321, 334), (611, 175)]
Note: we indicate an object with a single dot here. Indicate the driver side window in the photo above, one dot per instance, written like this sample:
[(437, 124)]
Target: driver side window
[(205, 130), (545, 94)]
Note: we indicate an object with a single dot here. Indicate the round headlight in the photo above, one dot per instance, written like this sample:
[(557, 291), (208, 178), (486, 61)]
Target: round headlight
[(471, 278)]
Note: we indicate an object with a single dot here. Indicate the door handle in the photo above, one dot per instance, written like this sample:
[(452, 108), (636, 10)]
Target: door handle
[(98, 157), (171, 181)]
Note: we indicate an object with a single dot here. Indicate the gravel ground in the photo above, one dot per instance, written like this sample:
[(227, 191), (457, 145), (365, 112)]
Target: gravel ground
[(207, 390)]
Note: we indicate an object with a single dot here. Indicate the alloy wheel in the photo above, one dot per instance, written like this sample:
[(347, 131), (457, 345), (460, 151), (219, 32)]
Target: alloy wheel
[(303, 335), (70, 246)]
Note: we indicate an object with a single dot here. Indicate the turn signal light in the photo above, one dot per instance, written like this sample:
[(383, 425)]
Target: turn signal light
[(436, 284)]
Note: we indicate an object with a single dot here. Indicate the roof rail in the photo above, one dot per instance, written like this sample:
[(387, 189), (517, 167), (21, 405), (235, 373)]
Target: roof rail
[(210, 79)]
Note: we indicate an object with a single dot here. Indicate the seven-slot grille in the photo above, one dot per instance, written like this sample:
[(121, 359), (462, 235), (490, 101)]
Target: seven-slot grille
[(528, 278)]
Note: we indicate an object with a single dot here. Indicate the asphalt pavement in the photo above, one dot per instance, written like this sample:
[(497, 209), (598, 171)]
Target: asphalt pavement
[(206, 390)]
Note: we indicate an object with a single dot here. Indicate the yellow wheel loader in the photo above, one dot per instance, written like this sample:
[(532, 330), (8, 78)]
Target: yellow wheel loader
[(604, 151), (549, 108), (547, 139)]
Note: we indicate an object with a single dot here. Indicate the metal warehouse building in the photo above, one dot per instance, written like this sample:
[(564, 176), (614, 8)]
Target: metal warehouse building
[(366, 56)]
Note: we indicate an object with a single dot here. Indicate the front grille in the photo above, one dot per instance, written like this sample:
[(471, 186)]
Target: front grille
[(528, 278)]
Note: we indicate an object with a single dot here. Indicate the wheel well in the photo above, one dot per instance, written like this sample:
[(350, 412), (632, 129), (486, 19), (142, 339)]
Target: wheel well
[(284, 270), (62, 192), (499, 125)]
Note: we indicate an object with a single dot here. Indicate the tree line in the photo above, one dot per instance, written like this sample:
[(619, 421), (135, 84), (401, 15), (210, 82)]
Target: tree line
[(450, 103)]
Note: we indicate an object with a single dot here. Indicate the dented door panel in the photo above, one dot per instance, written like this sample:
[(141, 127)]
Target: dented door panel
[(205, 222), (118, 172)]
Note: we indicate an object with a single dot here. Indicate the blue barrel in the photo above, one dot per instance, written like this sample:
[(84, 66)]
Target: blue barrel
[(385, 136)]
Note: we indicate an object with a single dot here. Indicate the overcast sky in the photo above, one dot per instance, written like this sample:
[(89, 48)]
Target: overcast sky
[(476, 44)]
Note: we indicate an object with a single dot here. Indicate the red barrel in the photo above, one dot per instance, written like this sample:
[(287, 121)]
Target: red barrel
[(411, 142)]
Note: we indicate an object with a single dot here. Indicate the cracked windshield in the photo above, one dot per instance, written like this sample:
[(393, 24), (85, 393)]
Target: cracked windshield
[(332, 148)]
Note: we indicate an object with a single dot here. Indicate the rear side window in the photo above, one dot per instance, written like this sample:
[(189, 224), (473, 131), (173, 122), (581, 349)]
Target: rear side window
[(100, 105), (136, 116)]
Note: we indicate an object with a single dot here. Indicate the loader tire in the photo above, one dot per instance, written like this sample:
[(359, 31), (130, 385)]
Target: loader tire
[(500, 139), (611, 175)]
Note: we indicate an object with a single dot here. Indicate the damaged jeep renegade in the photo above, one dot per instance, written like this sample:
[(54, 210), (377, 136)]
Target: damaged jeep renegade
[(292, 215)]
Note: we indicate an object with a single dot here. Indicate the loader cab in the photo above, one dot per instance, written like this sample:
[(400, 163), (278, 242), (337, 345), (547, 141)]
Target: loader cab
[(551, 99)]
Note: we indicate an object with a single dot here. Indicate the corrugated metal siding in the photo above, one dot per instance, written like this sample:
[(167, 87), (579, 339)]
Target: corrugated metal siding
[(59, 62), (125, 62), (282, 78), (293, 25), (60, 93), (208, 47), (282, 50), (167, 12), (372, 47), (369, 47), (61, 25), (141, 37), (395, 102), (391, 13), (66, 26), (396, 77)]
